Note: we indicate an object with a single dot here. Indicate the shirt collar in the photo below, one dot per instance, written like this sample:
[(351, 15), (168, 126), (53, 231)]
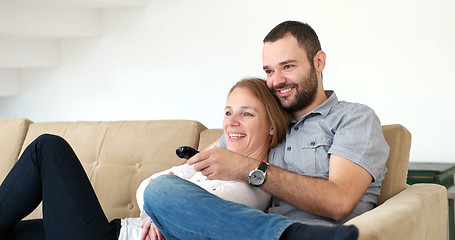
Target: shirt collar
[(325, 107)]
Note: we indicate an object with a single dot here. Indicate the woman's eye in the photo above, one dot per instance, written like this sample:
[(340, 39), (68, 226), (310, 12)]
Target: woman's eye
[(247, 114), (227, 114)]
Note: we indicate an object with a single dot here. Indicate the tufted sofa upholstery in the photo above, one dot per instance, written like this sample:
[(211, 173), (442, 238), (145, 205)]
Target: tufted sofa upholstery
[(118, 155)]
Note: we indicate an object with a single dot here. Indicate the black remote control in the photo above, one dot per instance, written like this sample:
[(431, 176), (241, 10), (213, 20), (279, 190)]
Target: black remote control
[(186, 152)]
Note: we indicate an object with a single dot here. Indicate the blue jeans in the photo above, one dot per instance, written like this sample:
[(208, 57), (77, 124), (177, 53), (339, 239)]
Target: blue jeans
[(50, 171), (183, 210)]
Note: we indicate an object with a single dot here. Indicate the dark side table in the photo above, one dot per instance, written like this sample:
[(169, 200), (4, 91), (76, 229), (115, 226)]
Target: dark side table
[(439, 173)]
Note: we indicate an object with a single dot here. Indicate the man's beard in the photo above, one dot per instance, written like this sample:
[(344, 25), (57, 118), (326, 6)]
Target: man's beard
[(306, 90)]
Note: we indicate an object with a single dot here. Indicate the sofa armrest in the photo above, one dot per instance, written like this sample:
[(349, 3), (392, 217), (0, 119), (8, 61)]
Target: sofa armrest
[(418, 212)]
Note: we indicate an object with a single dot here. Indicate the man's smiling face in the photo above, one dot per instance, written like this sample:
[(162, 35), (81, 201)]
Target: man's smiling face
[(290, 75)]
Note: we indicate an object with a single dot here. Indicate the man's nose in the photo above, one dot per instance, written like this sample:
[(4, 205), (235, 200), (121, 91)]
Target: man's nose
[(278, 79)]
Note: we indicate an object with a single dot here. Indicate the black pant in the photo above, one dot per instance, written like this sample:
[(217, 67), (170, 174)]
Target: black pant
[(50, 171)]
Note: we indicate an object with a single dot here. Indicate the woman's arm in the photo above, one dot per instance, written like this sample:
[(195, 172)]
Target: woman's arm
[(212, 145), (184, 171), (243, 193)]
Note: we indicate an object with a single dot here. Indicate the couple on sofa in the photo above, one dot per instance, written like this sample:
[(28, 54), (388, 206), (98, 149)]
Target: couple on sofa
[(216, 201)]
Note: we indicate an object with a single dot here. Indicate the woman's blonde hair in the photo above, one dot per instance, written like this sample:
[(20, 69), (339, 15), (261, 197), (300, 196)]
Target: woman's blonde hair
[(275, 113)]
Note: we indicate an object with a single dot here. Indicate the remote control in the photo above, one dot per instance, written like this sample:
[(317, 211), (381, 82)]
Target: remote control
[(186, 152)]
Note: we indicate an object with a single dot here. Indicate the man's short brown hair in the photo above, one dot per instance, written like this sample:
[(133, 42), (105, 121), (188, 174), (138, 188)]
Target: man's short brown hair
[(306, 37)]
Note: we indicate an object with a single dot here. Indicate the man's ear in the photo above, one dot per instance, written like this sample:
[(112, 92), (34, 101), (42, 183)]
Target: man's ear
[(319, 61)]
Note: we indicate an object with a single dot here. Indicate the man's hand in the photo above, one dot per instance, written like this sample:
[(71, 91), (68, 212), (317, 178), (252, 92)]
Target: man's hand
[(222, 164), (150, 231)]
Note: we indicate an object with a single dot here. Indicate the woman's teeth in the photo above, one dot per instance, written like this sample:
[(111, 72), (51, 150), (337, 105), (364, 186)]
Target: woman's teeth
[(236, 135)]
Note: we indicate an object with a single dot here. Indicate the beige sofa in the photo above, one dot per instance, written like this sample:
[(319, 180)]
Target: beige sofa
[(118, 155)]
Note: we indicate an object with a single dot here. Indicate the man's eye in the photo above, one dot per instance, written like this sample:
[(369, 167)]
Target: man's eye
[(268, 72), (287, 66)]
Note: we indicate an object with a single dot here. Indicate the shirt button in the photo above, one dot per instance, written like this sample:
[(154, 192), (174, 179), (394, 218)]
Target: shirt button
[(277, 205), (289, 148), (296, 128), (312, 143)]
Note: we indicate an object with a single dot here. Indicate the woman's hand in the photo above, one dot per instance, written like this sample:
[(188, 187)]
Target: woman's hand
[(222, 164), (150, 231)]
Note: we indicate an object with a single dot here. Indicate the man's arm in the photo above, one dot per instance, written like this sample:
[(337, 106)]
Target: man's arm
[(333, 198)]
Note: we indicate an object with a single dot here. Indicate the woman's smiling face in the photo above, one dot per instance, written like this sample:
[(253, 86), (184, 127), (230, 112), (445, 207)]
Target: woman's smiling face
[(246, 125)]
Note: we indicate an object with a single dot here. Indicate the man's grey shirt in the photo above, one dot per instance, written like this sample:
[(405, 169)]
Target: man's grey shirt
[(349, 130)]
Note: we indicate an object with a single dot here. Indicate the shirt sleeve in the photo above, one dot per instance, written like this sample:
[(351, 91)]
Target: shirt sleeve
[(140, 198), (222, 141), (359, 139), (243, 193), (184, 171)]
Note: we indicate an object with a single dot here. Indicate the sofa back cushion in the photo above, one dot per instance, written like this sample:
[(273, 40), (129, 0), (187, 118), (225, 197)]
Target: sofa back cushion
[(118, 155), (399, 140), (12, 135), (209, 136)]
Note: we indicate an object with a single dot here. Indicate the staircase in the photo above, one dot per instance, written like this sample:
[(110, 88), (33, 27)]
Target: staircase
[(31, 30)]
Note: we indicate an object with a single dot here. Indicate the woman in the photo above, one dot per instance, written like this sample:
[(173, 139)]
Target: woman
[(253, 123)]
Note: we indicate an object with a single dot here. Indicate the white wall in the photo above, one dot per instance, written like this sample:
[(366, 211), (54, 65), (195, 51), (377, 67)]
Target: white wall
[(177, 59)]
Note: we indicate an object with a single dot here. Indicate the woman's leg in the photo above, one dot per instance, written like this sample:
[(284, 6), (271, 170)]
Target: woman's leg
[(25, 230), (50, 170), (183, 210)]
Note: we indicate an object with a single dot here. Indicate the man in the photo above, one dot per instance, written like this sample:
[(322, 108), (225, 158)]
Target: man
[(328, 170)]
